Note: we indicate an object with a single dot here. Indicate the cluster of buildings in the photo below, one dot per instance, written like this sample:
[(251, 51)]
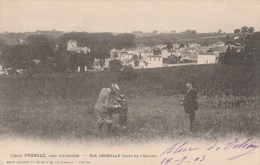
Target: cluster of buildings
[(160, 56)]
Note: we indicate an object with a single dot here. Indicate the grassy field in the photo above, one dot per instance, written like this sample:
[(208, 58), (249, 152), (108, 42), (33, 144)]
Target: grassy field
[(149, 118), (54, 106), (211, 80)]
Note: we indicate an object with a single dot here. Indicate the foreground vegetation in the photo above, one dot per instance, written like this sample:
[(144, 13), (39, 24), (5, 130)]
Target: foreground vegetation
[(56, 105), (149, 118), (211, 80)]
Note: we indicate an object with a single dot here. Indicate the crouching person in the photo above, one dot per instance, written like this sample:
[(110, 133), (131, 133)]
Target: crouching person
[(105, 106)]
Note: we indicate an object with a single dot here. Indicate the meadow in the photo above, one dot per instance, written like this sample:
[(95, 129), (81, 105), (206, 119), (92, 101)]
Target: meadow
[(211, 80), (55, 105), (149, 118)]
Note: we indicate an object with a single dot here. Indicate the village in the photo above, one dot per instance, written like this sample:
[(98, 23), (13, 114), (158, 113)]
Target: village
[(142, 56), (160, 56)]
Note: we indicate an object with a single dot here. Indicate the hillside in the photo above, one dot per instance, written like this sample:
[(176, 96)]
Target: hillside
[(56, 106), (200, 38), (211, 80)]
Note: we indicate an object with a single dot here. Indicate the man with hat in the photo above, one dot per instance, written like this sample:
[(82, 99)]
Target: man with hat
[(190, 102), (105, 105)]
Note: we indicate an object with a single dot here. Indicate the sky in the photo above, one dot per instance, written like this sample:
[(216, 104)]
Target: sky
[(127, 16)]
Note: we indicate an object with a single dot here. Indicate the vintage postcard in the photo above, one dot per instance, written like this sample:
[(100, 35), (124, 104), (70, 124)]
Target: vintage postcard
[(109, 82)]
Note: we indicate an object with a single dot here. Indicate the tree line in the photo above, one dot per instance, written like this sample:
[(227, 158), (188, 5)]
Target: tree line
[(244, 29), (52, 51), (250, 55)]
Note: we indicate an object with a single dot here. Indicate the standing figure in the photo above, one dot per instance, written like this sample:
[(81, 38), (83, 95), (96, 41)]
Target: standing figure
[(105, 106), (190, 103)]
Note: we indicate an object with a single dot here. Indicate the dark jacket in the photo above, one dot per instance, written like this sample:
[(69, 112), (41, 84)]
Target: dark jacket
[(190, 102)]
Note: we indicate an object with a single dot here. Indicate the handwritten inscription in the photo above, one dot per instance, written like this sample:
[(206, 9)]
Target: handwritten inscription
[(174, 154)]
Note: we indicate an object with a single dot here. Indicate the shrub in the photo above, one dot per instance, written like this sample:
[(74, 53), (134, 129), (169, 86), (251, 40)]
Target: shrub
[(115, 65), (128, 74)]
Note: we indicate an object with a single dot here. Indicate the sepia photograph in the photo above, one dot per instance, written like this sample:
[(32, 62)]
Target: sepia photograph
[(129, 82)]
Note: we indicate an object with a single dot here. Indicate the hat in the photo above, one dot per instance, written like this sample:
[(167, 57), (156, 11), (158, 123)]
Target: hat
[(191, 82), (115, 88)]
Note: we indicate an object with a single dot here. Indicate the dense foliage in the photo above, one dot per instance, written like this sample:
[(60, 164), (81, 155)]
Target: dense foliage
[(52, 51), (250, 55)]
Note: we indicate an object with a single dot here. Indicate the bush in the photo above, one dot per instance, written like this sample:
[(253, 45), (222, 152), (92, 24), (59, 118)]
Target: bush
[(115, 65), (128, 74)]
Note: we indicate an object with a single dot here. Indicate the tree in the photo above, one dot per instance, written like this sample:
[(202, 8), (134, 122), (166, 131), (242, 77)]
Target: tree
[(123, 40), (155, 32), (100, 44), (244, 29), (115, 65), (41, 47), (135, 56), (248, 56), (135, 59), (169, 44), (248, 37), (227, 37), (181, 46), (156, 51), (190, 32), (251, 30), (237, 31), (115, 55), (15, 56), (219, 31), (101, 51), (2, 44)]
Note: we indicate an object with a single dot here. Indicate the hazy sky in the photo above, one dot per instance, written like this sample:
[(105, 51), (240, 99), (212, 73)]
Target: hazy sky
[(128, 16)]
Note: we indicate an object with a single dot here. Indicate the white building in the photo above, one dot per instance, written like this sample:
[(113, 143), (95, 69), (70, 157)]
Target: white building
[(154, 61), (72, 47), (236, 37), (206, 58), (165, 53)]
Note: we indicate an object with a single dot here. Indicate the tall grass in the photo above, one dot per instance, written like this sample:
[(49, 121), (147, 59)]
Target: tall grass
[(156, 117), (211, 80), (53, 105)]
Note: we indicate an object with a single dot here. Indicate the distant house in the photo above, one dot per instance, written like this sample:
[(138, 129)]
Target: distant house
[(203, 48), (114, 51), (72, 47), (36, 61), (97, 64), (191, 58), (125, 56), (219, 43), (206, 58), (219, 49), (165, 53), (154, 61), (172, 59), (129, 51), (189, 49), (236, 37), (238, 47), (194, 45)]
